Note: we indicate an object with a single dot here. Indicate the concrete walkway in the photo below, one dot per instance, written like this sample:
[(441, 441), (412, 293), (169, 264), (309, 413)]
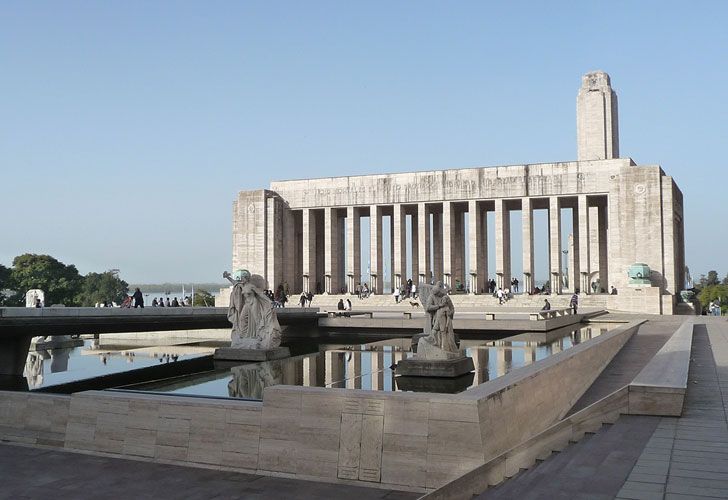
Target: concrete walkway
[(629, 361), (27, 473), (647, 457)]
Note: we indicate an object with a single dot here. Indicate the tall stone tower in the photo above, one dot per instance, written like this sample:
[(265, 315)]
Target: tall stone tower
[(597, 131)]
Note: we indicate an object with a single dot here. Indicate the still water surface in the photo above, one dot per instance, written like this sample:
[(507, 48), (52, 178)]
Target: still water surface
[(368, 366)]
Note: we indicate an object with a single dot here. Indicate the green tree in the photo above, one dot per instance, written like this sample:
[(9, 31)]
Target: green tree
[(4, 283), (712, 278), (725, 280), (204, 298), (61, 283), (100, 287), (711, 292)]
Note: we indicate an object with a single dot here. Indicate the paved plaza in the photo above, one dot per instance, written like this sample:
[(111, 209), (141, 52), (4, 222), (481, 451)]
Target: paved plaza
[(647, 457), (45, 473)]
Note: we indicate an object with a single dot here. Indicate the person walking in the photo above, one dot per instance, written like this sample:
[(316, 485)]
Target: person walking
[(302, 300), (574, 302), (396, 295), (138, 299)]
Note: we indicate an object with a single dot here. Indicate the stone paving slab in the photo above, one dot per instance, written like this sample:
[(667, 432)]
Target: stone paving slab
[(27, 473), (685, 457)]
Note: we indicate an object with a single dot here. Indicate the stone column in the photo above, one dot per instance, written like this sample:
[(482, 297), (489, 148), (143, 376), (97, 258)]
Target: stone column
[(332, 252), (353, 248), (448, 243), (309, 250), (399, 223), (437, 238), (593, 212), (603, 248), (555, 244), (377, 370), (309, 371), (477, 242), (584, 264), (415, 243), (353, 371), (574, 261), (527, 226), (376, 284), (502, 245), (423, 243)]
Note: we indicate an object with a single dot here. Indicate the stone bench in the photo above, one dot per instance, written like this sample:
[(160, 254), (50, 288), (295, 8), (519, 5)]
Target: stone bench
[(348, 314), (550, 314), (660, 388)]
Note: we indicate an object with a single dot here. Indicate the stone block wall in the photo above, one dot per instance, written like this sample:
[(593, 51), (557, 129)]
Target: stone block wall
[(524, 402), (415, 441), (33, 418)]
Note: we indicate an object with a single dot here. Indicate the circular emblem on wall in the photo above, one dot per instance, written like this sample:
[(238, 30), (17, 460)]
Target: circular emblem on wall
[(640, 189), (251, 208)]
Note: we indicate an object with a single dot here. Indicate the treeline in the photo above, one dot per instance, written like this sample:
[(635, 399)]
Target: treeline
[(710, 288), (61, 283)]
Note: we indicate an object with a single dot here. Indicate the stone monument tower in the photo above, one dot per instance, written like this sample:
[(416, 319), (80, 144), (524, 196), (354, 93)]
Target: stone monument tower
[(597, 132)]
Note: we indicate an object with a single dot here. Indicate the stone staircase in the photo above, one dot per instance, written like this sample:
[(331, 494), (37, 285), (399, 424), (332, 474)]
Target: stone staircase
[(327, 302), (572, 472)]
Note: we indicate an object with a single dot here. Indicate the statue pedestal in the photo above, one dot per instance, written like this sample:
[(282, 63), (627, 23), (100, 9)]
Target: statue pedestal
[(450, 368), (446, 385), (238, 354), (57, 342)]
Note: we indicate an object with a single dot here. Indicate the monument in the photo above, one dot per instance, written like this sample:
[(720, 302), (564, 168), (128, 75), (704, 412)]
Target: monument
[(256, 333), (309, 232), (438, 354), (35, 298)]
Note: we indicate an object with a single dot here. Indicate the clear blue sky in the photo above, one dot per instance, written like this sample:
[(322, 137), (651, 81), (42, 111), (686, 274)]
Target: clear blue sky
[(126, 128)]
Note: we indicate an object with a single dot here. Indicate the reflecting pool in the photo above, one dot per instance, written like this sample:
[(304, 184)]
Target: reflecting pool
[(44, 368), (369, 366)]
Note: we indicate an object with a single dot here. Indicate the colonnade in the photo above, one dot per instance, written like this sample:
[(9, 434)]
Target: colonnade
[(437, 244)]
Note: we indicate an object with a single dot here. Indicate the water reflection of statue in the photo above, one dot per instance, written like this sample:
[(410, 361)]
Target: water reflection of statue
[(254, 322), (34, 369), (439, 311), (249, 380)]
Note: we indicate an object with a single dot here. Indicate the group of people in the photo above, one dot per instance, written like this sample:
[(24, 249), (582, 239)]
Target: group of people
[(344, 305), (362, 291), (186, 302), (573, 303), (306, 299), (407, 291), (280, 297)]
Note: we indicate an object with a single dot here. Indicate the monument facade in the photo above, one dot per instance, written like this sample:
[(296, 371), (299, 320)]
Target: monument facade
[(307, 233)]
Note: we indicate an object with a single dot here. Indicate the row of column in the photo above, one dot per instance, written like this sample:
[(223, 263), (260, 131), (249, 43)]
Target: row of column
[(445, 238)]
